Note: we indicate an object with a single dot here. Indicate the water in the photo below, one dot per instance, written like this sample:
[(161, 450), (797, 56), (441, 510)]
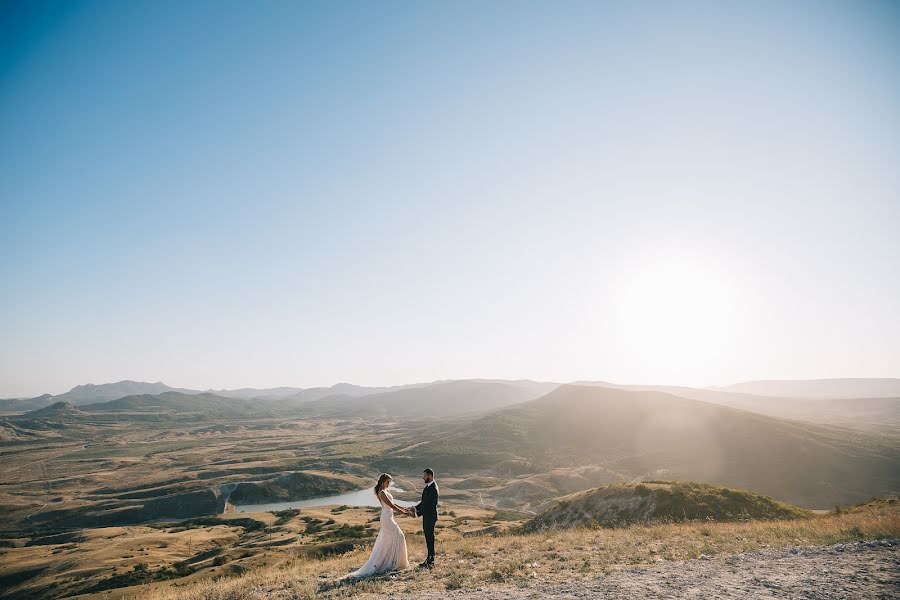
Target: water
[(363, 497)]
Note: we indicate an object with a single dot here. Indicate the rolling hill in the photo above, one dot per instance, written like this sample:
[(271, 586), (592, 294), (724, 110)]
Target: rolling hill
[(208, 404), (55, 410), (440, 399), (19, 405), (875, 414), (90, 393), (653, 435), (623, 504), (66, 421), (260, 393), (343, 390)]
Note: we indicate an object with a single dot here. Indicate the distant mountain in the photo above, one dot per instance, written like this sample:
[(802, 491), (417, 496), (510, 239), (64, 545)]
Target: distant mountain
[(281, 397), (259, 393), (208, 404), (55, 409), (288, 395), (533, 388), (820, 388), (657, 435), (440, 399), (25, 404), (346, 390), (338, 389), (90, 393), (875, 414), (623, 504)]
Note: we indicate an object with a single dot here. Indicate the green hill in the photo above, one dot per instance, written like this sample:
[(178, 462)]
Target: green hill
[(622, 504)]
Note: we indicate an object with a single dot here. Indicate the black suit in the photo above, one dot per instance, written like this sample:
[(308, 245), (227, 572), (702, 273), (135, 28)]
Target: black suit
[(427, 509)]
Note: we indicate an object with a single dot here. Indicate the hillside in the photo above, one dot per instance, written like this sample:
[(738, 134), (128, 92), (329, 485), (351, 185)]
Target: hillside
[(653, 435), (261, 393), (18, 405), (623, 504), (440, 399), (64, 421), (90, 393), (880, 414), (59, 421), (743, 559), (174, 401), (871, 414), (54, 410), (303, 553), (821, 388)]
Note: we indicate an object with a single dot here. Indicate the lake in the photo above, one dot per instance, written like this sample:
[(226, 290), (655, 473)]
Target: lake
[(363, 497)]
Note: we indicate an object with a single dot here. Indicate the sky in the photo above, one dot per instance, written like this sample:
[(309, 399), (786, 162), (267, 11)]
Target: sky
[(235, 194)]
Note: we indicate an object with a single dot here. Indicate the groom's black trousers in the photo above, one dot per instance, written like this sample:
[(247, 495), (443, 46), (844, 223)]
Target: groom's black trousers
[(428, 523)]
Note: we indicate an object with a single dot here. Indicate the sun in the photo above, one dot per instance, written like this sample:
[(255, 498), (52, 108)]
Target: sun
[(678, 317)]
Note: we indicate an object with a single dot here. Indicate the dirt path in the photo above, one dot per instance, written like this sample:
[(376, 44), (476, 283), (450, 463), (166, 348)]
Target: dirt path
[(867, 570)]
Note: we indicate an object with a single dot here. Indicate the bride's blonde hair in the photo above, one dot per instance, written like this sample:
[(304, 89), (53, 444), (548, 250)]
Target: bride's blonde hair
[(384, 477)]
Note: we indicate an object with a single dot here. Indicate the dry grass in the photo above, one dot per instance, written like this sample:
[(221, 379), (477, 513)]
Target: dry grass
[(523, 560)]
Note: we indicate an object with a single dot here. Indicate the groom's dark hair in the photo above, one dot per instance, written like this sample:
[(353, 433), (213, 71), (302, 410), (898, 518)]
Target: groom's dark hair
[(429, 471)]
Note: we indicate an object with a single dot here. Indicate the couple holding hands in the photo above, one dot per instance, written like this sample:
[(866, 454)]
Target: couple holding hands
[(389, 552)]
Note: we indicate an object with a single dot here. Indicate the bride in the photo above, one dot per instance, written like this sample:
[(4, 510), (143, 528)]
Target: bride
[(389, 552)]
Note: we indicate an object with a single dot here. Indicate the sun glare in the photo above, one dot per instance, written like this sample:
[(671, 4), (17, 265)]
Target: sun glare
[(677, 316)]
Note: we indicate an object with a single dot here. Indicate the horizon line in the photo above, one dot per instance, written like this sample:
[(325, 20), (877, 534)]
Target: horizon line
[(452, 379)]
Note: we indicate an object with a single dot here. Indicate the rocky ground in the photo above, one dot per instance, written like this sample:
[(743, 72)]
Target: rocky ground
[(867, 570)]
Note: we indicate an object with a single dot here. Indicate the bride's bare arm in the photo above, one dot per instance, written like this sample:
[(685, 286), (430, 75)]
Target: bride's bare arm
[(387, 501)]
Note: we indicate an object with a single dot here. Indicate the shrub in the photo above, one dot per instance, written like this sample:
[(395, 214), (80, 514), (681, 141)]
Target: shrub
[(456, 580), (285, 515)]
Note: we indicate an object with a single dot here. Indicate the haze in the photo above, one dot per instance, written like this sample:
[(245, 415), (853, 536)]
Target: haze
[(227, 195)]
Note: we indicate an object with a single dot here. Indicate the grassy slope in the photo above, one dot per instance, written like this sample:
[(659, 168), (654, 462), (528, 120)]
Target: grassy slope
[(523, 560), (623, 504)]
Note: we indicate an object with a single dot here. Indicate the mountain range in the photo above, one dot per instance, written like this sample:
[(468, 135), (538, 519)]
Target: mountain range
[(806, 389), (439, 399), (865, 404)]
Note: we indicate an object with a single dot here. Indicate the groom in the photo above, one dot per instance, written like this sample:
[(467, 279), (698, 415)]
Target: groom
[(427, 509)]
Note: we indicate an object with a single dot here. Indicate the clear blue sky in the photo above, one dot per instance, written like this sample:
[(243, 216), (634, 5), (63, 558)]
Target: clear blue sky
[(226, 194)]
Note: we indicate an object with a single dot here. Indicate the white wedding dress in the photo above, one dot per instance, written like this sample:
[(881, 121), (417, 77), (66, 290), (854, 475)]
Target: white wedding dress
[(389, 552)]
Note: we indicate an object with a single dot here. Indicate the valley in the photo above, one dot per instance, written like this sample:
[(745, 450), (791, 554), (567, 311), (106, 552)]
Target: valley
[(98, 497)]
